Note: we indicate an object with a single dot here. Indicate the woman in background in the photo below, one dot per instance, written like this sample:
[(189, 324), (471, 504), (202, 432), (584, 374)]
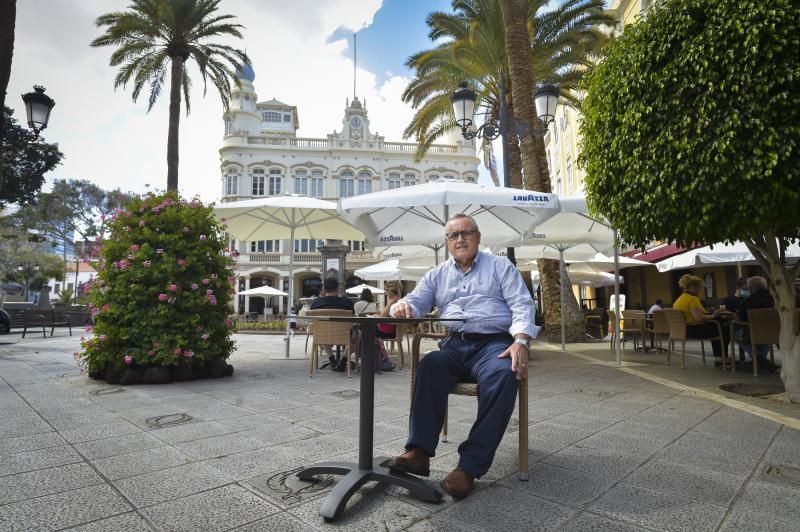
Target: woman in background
[(366, 303), (699, 323)]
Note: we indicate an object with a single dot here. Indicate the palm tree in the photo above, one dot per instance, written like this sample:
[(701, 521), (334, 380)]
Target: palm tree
[(489, 39), (154, 36)]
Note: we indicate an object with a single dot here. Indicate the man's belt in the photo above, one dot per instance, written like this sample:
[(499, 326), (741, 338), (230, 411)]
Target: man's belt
[(477, 337)]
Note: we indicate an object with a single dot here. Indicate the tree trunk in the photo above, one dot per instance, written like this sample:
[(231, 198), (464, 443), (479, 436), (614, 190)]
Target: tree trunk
[(536, 175), (8, 16), (174, 122), (514, 160)]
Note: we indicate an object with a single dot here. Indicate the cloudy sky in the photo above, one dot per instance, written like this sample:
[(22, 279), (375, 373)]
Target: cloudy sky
[(301, 52)]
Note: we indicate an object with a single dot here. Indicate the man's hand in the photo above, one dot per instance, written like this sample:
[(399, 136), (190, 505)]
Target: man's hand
[(519, 359), (401, 309)]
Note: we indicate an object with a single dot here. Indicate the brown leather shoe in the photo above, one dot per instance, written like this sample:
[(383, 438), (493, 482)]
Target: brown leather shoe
[(413, 461), (458, 483)]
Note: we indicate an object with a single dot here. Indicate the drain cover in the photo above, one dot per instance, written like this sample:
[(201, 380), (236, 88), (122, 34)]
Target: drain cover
[(752, 390), (260, 376), (346, 394), (107, 391), (289, 490), (159, 422), (781, 474)]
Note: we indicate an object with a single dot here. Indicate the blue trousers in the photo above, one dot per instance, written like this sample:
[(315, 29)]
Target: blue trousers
[(463, 360)]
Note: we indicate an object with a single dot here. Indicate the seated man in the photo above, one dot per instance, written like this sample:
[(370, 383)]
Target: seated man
[(734, 301), (330, 299), (490, 348), (756, 295)]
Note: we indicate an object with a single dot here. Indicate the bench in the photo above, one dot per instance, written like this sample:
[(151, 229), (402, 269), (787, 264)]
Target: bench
[(45, 318)]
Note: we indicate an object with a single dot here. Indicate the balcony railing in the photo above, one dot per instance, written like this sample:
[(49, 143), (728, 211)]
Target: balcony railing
[(360, 144), (301, 258)]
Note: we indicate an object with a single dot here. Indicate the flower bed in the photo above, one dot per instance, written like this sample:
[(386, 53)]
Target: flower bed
[(278, 326), (156, 300)]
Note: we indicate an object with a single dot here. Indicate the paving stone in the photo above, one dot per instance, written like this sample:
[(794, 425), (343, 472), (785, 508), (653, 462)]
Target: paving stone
[(368, 510), (499, 508), (785, 448), (656, 509), (218, 446), (139, 462), (129, 522), (713, 454), (24, 426), (561, 485), (80, 419), (776, 500), (38, 459), (190, 432), (99, 432), (747, 521), (73, 508), (283, 433), (282, 521), (214, 510), (30, 443), (438, 523), (254, 463), (118, 445), (599, 462), (32, 484), (322, 446), (589, 522), (332, 423), (173, 483), (708, 486)]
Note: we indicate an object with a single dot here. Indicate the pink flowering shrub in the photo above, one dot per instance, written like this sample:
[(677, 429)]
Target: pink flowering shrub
[(146, 306)]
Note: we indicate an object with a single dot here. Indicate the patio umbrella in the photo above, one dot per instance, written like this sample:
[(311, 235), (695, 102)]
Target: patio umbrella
[(262, 291), (585, 278), (391, 270), (356, 290), (719, 255), (287, 216), (417, 214)]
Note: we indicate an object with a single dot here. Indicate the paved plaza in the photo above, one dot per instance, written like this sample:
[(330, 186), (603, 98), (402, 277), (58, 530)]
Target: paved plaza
[(610, 449)]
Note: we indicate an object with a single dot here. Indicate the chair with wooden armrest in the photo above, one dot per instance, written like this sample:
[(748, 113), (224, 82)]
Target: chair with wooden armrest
[(625, 326), (659, 328), (329, 333), (471, 389), (765, 329)]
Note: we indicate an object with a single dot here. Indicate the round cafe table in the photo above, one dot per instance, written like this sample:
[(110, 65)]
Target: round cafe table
[(368, 467)]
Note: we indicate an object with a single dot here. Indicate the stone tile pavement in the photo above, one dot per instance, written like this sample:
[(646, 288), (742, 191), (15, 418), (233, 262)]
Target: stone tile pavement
[(609, 450)]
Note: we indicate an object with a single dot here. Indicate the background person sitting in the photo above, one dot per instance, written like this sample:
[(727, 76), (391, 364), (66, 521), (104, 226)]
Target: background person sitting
[(758, 296), (366, 303), (331, 299), (655, 307), (699, 324), (387, 330), (733, 302)]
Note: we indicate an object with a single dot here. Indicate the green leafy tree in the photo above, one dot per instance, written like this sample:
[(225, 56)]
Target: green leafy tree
[(158, 37), (160, 298), (691, 134), (24, 159), (8, 20)]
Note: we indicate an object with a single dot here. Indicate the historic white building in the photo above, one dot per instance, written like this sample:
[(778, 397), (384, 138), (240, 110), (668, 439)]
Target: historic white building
[(262, 155)]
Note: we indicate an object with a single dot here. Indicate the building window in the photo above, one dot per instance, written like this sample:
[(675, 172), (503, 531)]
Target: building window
[(258, 182), (274, 182), (232, 183), (347, 184), (555, 134), (271, 116), (301, 182), (558, 182), (357, 245), (394, 181), (228, 127), (409, 180), (306, 245), (364, 183), (316, 184), (57, 289), (287, 118), (569, 175), (265, 246), (433, 177)]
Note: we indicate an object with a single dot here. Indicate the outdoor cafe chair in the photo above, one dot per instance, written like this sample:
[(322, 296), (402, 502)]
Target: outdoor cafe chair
[(627, 326), (471, 389), (400, 332), (329, 333), (765, 329), (676, 322), (659, 328)]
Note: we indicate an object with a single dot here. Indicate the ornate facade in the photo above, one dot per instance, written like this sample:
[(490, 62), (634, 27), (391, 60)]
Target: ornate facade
[(261, 155)]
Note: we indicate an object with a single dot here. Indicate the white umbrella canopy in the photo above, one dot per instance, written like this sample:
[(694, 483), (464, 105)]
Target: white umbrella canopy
[(286, 216), (391, 270), (585, 278), (356, 290), (603, 263), (262, 291), (417, 214), (719, 254)]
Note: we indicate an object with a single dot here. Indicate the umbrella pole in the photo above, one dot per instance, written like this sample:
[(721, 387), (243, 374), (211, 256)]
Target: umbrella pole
[(446, 249), (563, 275), (291, 291), (618, 342)]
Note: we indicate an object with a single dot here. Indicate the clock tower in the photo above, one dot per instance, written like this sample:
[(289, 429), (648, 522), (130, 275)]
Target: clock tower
[(356, 123)]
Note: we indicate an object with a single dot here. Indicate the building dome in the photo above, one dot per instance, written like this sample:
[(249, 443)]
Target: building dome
[(246, 72)]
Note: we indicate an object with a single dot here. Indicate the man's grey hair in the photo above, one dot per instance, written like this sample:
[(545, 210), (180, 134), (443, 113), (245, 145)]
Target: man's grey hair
[(461, 216), (756, 283)]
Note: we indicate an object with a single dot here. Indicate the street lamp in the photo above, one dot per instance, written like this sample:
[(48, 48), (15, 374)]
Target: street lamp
[(38, 106), (27, 268), (463, 99)]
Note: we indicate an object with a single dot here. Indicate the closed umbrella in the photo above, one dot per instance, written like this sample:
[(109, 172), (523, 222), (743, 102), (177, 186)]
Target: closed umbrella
[(287, 216)]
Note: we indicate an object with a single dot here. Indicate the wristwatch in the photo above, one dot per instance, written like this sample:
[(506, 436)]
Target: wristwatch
[(524, 341)]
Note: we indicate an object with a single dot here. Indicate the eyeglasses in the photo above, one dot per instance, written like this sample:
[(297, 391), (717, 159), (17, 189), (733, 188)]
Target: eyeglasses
[(466, 235)]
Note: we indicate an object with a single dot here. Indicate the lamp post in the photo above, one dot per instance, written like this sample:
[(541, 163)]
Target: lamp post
[(38, 106), (463, 100), (27, 268)]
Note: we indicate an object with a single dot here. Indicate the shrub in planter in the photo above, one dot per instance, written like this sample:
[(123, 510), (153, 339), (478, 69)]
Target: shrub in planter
[(159, 300)]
